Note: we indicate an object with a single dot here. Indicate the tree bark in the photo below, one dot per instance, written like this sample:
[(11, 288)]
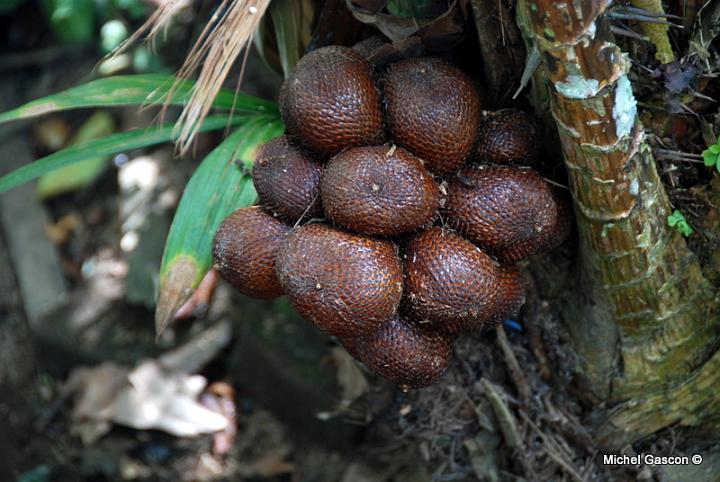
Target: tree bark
[(500, 46), (645, 321)]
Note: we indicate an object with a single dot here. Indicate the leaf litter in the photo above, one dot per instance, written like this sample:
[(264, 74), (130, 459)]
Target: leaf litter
[(161, 393)]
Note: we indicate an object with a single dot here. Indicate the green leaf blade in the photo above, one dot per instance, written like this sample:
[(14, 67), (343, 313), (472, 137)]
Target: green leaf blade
[(124, 90), (709, 158), (678, 222), (82, 173), (106, 146), (217, 188)]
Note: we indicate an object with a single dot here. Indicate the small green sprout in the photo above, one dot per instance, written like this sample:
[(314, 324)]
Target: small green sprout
[(677, 221), (711, 156)]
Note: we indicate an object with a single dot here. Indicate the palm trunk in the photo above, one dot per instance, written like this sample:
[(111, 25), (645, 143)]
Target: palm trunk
[(645, 324)]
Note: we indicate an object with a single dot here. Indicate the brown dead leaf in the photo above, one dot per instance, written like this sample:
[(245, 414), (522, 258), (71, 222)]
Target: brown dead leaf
[(199, 302), (60, 232), (220, 398), (52, 134), (438, 34), (393, 52), (372, 6), (157, 394), (707, 29)]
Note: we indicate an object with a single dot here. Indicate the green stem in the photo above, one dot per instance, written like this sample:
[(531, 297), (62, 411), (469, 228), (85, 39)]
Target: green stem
[(657, 33)]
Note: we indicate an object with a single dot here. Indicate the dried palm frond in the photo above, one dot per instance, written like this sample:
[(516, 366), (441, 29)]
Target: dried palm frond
[(215, 51), (155, 24)]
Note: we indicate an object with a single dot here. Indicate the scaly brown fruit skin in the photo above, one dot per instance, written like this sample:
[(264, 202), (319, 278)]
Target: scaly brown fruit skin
[(345, 284), (453, 287), (381, 190), (509, 136), (433, 110), (509, 212), (330, 101), (287, 181), (404, 352), (244, 251)]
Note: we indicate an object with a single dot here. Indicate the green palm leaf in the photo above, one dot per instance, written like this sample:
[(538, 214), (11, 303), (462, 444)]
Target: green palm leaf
[(107, 146), (133, 90), (217, 188)]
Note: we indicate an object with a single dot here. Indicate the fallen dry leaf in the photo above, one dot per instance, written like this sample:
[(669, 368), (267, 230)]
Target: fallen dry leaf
[(440, 33), (220, 398), (158, 394), (163, 400), (199, 302)]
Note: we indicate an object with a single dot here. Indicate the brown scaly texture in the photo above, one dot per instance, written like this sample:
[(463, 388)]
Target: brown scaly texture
[(509, 136), (381, 190), (246, 244), (330, 101), (404, 352), (432, 110), (452, 286), (287, 181), (345, 284), (511, 213)]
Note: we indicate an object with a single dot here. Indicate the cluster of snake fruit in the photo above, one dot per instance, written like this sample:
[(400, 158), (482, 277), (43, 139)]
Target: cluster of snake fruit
[(393, 213)]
